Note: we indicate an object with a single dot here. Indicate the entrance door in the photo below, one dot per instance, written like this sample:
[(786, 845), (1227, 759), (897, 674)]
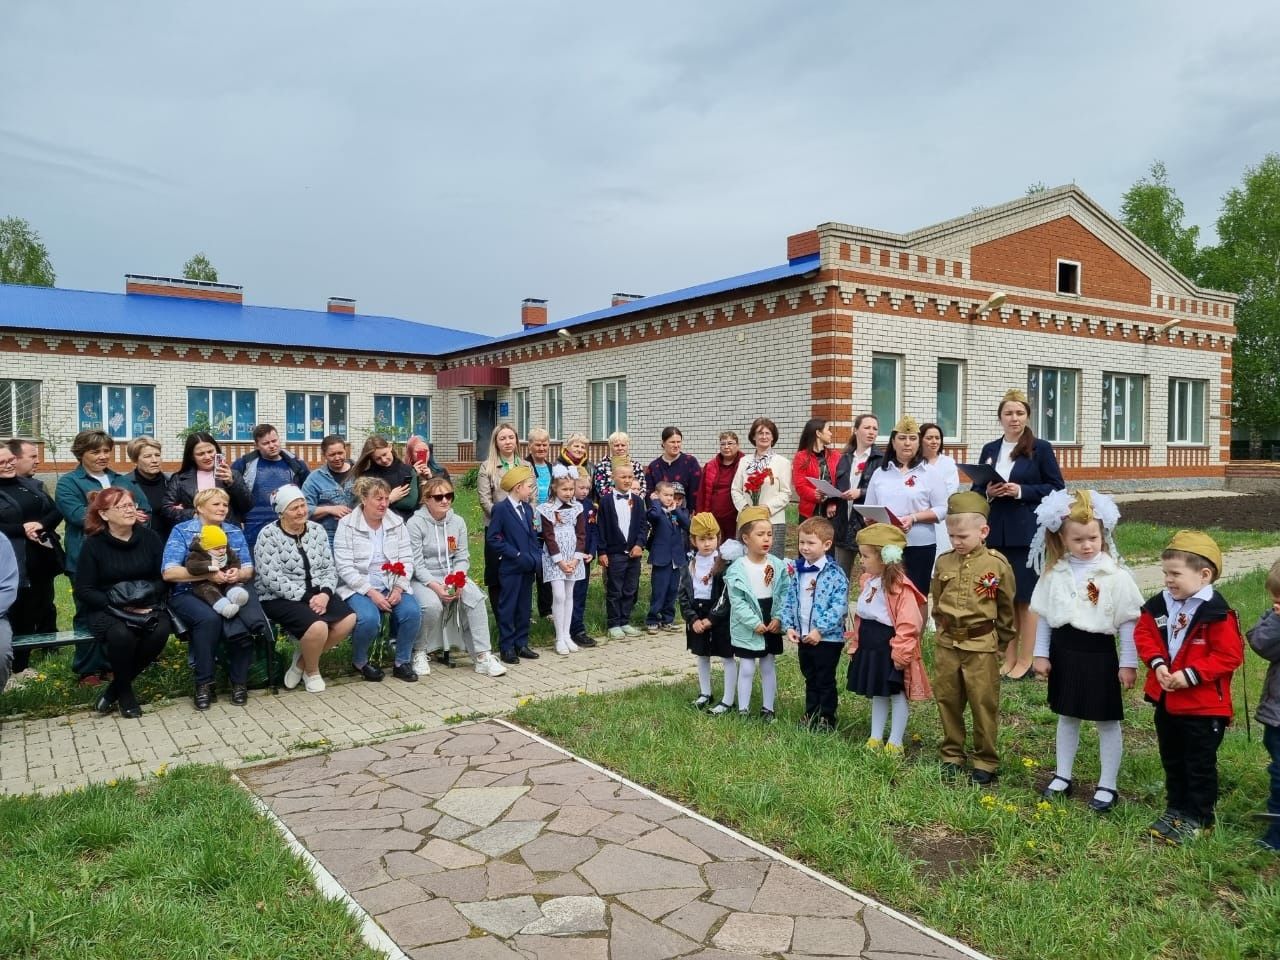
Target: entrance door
[(486, 420)]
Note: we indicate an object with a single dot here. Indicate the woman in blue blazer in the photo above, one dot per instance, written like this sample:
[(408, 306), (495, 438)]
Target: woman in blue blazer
[(1030, 473)]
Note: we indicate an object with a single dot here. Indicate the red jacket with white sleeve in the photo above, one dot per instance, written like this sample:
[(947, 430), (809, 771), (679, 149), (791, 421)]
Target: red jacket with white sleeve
[(1211, 652)]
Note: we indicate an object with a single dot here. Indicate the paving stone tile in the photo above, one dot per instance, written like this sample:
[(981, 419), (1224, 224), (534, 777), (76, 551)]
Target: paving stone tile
[(695, 919), (887, 935), (620, 828), (503, 837), (577, 820), (557, 852), (356, 869), (450, 829), (566, 772), (421, 819), (502, 917), (755, 933), (563, 948), (787, 890), (429, 781), (554, 793), (526, 808), (467, 745), (567, 915), (518, 765), (508, 878), (652, 904), (388, 896), (421, 923), (667, 844), (618, 870), (478, 778), (828, 936), (364, 840), (748, 874), (719, 845), (449, 855), (474, 948), (644, 809), (479, 805), (395, 798), (565, 885), (403, 864), (631, 937), (735, 898), (460, 886), (601, 790)]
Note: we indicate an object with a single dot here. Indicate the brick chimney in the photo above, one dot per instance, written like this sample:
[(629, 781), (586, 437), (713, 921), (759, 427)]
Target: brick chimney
[(620, 298), (143, 285), (533, 313), (342, 305)]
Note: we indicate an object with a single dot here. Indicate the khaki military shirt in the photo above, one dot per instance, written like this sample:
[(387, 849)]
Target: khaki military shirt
[(973, 600)]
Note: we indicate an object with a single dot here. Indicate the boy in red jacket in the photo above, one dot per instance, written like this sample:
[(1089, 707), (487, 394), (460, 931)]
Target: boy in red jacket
[(1191, 642)]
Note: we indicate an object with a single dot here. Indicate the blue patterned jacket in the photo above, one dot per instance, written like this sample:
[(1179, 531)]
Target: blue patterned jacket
[(830, 604)]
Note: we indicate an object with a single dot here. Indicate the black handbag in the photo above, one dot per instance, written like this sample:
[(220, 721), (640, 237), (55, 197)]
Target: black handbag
[(137, 593)]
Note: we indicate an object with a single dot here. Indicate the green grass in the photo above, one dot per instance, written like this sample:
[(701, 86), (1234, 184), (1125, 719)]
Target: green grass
[(181, 866), (1141, 542), (993, 868)]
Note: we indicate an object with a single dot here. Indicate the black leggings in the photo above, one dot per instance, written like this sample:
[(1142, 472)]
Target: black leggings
[(130, 650)]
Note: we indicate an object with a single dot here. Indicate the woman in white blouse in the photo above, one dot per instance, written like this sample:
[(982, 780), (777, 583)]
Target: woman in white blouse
[(915, 494), (931, 449), (776, 491)]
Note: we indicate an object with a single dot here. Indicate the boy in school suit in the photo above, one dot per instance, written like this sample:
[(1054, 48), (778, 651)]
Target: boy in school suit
[(511, 536), (668, 527), (623, 529)]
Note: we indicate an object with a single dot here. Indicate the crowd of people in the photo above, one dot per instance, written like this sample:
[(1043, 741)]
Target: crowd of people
[(1020, 579)]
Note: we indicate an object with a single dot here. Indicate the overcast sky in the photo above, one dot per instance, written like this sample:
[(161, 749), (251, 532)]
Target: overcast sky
[(441, 162)]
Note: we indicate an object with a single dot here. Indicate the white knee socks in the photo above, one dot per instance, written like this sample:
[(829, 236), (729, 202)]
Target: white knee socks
[(730, 680), (562, 608), (1068, 744), (747, 674), (879, 715), (768, 681), (1110, 750), (898, 726), (704, 675)]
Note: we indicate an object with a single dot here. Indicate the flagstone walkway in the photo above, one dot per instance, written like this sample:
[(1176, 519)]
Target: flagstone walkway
[(482, 842)]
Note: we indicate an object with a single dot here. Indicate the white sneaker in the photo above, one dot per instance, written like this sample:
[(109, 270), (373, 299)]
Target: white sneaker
[(421, 663), (615, 633), (313, 682), (487, 665), (562, 648), (573, 647), (293, 676)]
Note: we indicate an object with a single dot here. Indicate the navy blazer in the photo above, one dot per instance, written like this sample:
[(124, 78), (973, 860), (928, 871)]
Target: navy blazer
[(1013, 522), (591, 512), (666, 536), (609, 535), (516, 544)]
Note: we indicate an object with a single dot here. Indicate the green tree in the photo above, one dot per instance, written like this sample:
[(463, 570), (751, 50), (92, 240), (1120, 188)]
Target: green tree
[(1246, 261), (23, 257), (199, 268), (1152, 210)]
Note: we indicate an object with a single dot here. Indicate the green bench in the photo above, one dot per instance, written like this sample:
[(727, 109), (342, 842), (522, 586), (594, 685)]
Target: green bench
[(62, 638)]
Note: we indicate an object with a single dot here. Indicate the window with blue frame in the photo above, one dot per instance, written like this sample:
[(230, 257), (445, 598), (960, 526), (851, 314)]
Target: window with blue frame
[(231, 414), (398, 417), (124, 411), (310, 417)]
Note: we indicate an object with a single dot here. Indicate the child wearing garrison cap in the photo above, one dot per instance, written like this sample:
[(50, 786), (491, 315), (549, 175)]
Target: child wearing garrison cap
[(1191, 643), (885, 663), (706, 618), (512, 539), (973, 597), (1083, 600), (209, 553), (813, 617), (622, 529), (756, 585)]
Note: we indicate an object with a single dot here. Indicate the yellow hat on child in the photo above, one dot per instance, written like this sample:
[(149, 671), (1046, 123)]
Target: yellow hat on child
[(212, 537), (1193, 541), (704, 525), (968, 502), (751, 514), (516, 476), (881, 535)]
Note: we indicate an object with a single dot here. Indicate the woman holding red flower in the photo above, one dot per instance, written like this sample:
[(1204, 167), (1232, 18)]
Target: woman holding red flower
[(453, 608), (857, 465), (764, 479)]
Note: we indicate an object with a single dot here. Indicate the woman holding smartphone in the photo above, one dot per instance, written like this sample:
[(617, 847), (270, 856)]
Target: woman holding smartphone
[(204, 467)]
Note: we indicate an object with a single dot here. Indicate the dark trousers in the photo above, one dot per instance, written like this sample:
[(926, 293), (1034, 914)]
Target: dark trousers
[(818, 664), (918, 562), (491, 580), (544, 593), (206, 629), (578, 626), (1189, 755), (33, 611), (621, 584), (1271, 740), (130, 650), (515, 602), (664, 582)]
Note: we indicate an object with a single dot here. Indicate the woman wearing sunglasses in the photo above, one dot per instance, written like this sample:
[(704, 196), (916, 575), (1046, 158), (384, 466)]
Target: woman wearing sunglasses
[(450, 614)]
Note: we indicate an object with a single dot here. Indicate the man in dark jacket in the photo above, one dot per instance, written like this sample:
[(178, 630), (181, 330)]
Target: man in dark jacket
[(265, 471), (8, 591)]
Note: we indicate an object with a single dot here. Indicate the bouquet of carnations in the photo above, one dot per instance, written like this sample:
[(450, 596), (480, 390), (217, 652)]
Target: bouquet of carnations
[(393, 573), (454, 582), (755, 481)]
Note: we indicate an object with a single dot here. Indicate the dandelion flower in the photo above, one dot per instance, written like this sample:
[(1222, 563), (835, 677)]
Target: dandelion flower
[(1030, 763), (162, 769), (1031, 844), (1044, 805)]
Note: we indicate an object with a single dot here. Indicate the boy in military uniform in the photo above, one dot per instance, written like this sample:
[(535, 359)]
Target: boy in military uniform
[(973, 606)]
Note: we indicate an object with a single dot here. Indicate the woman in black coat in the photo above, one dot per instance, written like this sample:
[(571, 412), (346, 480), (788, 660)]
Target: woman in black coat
[(202, 460), (119, 591), (29, 520)]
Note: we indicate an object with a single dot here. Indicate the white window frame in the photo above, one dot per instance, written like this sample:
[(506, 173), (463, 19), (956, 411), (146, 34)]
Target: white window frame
[(959, 413), (1040, 408), (1057, 277), (1125, 387), (329, 426), (235, 403), (128, 389), (10, 388), (553, 410), (521, 412), (887, 423), (393, 397), (1182, 392), (613, 412), (466, 418)]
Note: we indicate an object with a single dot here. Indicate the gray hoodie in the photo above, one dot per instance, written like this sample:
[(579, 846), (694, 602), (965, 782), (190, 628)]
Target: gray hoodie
[(439, 548), (1265, 640)]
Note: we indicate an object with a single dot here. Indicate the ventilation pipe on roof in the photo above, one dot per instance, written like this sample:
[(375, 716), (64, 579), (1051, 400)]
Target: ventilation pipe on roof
[(533, 313), (620, 298), (343, 305)]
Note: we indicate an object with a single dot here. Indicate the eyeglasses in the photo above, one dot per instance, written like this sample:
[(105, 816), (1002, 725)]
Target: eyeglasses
[(441, 497), (123, 505)]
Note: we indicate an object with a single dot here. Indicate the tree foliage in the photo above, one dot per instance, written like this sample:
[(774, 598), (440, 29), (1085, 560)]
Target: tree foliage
[(23, 257), (1152, 210), (1246, 261), (199, 268)]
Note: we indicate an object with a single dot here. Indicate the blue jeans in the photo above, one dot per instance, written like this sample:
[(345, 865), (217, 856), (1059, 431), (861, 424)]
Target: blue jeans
[(1271, 740), (406, 619), (663, 584)]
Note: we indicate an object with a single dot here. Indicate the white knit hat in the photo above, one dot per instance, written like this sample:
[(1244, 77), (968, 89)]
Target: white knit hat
[(286, 495)]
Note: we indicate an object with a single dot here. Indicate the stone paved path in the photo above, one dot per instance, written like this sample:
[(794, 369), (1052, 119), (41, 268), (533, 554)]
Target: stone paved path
[(480, 842)]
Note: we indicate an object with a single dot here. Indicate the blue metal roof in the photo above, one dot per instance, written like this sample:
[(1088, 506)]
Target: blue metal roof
[(54, 310)]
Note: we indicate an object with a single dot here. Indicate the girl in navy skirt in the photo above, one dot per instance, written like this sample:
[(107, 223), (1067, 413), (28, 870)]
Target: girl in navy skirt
[(706, 619), (884, 644), (1084, 600)]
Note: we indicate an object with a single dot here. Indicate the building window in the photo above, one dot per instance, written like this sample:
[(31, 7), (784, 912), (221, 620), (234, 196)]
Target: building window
[(228, 414), (313, 416), (608, 407), (520, 398), (1069, 277), (399, 417), (950, 392), (20, 408), (1186, 411), (553, 410), (886, 390), (1054, 395), (466, 426), (123, 411), (1123, 399)]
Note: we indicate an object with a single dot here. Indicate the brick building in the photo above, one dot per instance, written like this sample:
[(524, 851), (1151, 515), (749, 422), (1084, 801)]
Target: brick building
[(1128, 363)]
